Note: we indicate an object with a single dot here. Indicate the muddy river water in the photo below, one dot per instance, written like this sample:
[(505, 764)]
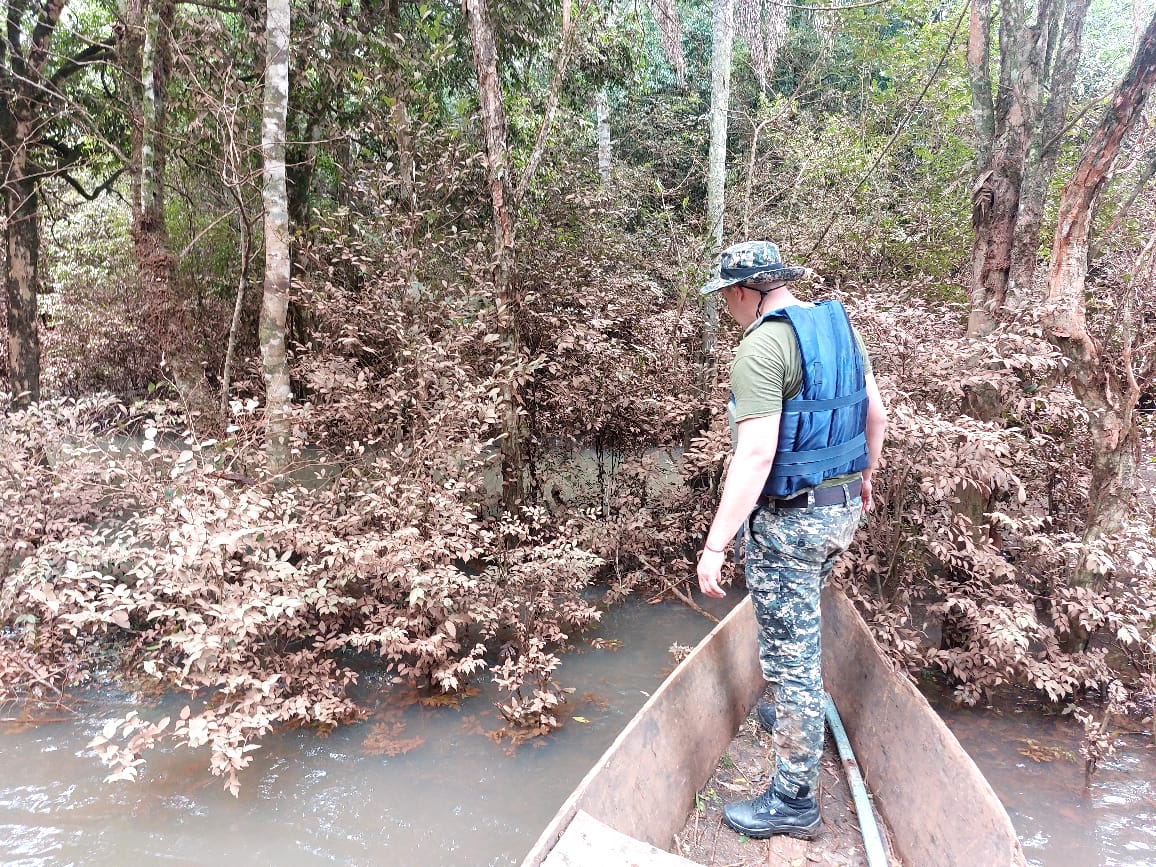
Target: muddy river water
[(456, 797), (427, 786), (1032, 760)]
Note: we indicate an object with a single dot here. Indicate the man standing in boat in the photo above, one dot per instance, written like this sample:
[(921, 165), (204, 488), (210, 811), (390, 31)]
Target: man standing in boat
[(808, 427)]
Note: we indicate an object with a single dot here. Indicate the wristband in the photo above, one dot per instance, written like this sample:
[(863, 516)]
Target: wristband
[(707, 547)]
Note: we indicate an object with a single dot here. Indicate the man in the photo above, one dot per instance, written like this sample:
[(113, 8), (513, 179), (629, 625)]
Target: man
[(809, 426)]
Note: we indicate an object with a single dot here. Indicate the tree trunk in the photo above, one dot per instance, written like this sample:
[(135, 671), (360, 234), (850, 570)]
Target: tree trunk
[(406, 162), (275, 301), (979, 81), (493, 114), (300, 170), (722, 41), (996, 196), (32, 98), (602, 117), (300, 167), (166, 312), (1110, 397), (130, 57), (22, 109), (150, 233), (404, 141), (1018, 139), (23, 255), (1060, 63), (505, 199)]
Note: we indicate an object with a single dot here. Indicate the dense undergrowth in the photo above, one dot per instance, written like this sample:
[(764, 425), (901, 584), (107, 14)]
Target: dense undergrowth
[(136, 552), (975, 562)]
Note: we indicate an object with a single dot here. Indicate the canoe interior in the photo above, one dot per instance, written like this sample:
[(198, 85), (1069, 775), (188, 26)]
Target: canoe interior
[(941, 810), (939, 807), (644, 784)]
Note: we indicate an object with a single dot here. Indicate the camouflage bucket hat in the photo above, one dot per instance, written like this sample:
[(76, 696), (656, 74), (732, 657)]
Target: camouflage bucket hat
[(750, 260)]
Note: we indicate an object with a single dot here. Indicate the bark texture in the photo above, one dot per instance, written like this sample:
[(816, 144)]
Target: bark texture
[(494, 128), (23, 255), (275, 300), (602, 118), (23, 103), (1018, 138), (722, 43), (1106, 386), (1061, 58)]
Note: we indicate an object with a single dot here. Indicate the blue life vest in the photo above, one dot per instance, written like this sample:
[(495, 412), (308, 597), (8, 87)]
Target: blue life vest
[(822, 431)]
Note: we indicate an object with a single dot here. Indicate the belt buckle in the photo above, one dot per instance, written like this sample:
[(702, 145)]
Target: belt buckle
[(797, 501)]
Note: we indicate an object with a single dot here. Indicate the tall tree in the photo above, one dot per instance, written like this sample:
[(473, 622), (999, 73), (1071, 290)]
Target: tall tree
[(1106, 386), (275, 301), (1018, 135), (33, 73), (602, 122), (148, 55), (722, 43), (1065, 45), (505, 200)]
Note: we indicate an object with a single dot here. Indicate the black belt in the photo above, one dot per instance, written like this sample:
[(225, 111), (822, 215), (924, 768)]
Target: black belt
[(829, 496)]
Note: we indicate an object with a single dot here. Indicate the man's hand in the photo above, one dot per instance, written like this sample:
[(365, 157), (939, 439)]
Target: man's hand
[(754, 454), (876, 430), (709, 573)]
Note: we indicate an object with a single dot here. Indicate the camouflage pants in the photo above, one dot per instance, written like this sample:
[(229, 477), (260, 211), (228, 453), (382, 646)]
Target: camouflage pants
[(788, 554)]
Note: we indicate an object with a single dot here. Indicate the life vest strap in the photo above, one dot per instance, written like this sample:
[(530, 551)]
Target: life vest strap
[(801, 405), (814, 460)]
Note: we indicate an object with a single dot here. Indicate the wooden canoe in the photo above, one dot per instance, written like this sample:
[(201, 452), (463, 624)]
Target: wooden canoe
[(939, 808)]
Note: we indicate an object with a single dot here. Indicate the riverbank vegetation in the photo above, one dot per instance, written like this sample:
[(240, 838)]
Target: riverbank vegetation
[(393, 351)]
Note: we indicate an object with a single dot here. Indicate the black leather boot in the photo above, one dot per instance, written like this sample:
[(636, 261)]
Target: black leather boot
[(771, 814), (766, 714)]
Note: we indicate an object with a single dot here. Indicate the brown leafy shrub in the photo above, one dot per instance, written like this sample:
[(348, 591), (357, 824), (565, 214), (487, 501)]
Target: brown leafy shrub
[(252, 598), (969, 563), (52, 476), (183, 568)]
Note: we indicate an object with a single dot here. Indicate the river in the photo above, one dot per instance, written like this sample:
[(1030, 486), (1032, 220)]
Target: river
[(456, 797), (1032, 759), (417, 785)]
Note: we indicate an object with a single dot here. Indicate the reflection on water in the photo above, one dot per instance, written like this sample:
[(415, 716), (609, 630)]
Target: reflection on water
[(1033, 762), (455, 798)]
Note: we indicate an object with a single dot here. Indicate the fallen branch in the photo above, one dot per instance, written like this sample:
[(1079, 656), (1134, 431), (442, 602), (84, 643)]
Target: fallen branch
[(688, 602)]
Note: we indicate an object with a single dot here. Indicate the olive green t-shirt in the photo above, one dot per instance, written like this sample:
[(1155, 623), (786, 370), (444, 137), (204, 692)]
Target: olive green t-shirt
[(768, 369)]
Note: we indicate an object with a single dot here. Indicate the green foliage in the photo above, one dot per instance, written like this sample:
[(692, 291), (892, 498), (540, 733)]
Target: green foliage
[(1109, 36)]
